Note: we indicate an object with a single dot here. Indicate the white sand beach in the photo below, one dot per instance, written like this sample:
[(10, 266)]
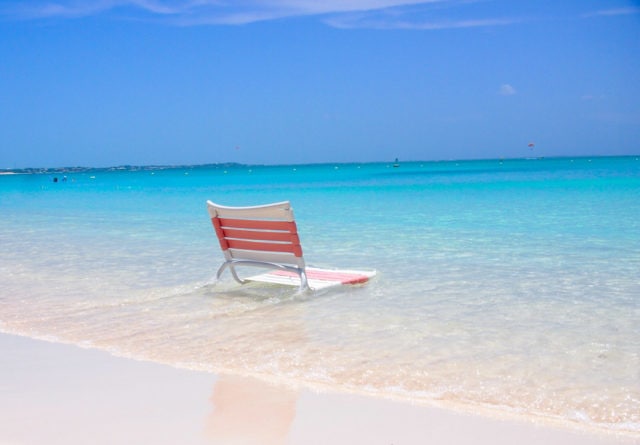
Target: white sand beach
[(60, 394)]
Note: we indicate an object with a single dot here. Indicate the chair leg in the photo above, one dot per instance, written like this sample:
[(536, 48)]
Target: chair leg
[(304, 284), (235, 275), (233, 272), (220, 270)]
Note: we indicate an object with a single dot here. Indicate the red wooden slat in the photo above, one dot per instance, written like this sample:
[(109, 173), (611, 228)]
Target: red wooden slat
[(259, 224), (260, 235), (220, 233)]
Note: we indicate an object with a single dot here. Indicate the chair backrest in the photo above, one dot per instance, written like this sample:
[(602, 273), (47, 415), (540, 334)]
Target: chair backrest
[(265, 233)]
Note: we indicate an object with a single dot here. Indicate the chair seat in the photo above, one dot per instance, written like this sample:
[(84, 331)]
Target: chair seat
[(316, 277)]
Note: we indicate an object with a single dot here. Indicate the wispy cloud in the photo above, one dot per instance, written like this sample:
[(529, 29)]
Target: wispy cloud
[(75, 9), (612, 12), (377, 14), (506, 90), (363, 21), (215, 11), (593, 97)]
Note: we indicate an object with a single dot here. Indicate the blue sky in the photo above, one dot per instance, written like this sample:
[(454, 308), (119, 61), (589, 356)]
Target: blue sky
[(112, 82)]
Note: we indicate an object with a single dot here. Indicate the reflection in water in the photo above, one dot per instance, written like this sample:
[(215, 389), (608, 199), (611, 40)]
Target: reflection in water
[(248, 411)]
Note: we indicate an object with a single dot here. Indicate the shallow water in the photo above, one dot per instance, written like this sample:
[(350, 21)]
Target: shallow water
[(510, 285)]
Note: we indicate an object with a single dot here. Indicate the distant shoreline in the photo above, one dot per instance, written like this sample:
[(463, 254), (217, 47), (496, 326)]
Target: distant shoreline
[(80, 169), (51, 170)]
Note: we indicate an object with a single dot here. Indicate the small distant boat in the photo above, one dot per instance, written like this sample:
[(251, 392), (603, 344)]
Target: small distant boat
[(396, 163)]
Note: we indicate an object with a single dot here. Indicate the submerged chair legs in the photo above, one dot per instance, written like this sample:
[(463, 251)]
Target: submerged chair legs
[(233, 272), (304, 282)]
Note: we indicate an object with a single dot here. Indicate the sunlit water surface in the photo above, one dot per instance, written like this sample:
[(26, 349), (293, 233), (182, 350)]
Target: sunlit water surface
[(510, 285)]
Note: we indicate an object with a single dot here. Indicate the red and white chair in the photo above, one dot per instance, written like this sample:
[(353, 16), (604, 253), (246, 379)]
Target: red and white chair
[(267, 236)]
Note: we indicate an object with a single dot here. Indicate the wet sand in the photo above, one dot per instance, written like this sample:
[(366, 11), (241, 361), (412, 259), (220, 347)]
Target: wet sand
[(60, 394)]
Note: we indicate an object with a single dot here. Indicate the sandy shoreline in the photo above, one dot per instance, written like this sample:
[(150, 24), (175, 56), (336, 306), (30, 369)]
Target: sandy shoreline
[(60, 394)]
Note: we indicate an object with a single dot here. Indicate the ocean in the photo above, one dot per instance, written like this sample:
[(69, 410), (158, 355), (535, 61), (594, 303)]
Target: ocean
[(503, 286)]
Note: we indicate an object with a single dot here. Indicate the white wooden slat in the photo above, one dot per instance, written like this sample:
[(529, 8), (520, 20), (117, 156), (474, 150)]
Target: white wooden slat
[(268, 257), (279, 211)]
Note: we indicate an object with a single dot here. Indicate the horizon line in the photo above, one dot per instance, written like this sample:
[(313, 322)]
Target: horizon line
[(148, 167)]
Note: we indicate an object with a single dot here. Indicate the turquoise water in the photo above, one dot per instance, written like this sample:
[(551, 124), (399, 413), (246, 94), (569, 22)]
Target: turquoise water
[(503, 286)]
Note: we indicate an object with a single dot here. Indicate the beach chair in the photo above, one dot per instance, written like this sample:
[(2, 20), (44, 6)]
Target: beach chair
[(267, 236)]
